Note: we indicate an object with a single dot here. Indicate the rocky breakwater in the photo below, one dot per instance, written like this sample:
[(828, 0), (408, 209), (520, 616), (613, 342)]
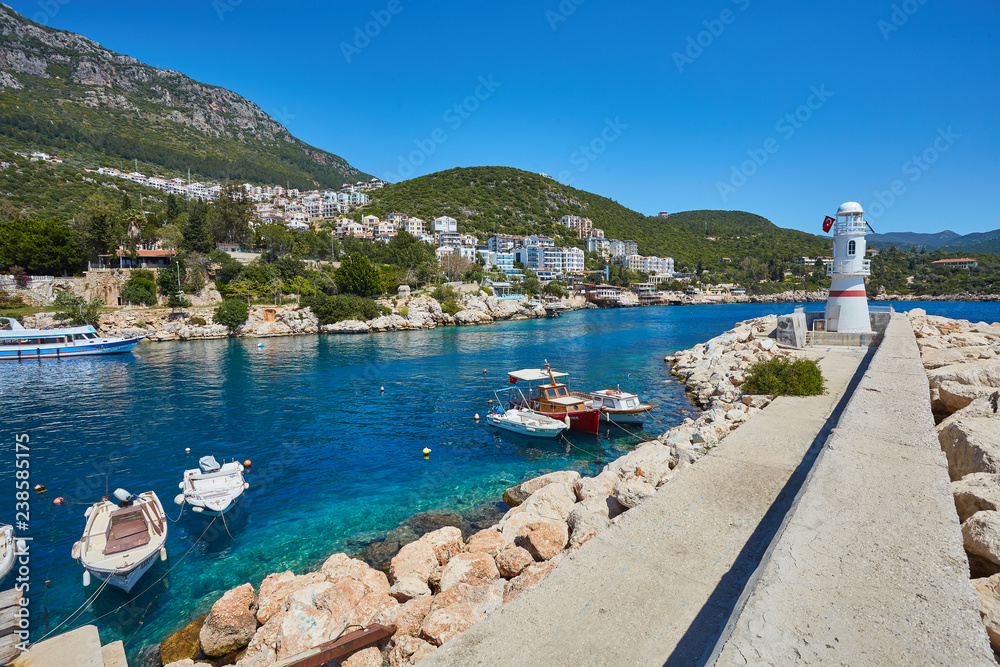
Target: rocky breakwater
[(962, 360), (441, 584)]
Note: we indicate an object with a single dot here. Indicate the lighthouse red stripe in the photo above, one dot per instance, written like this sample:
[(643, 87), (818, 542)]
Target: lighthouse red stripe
[(848, 292)]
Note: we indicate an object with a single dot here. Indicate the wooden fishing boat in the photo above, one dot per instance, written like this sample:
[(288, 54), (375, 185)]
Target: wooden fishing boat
[(620, 407), (122, 539), (212, 489), (552, 399)]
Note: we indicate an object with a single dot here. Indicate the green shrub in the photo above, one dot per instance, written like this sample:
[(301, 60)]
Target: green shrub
[(232, 313), (332, 309), (488, 291), (782, 376), (450, 306), (404, 311), (197, 321), (10, 300), (76, 309), (442, 294), (140, 288)]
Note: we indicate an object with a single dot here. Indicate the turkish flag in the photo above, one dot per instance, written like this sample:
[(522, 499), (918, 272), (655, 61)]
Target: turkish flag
[(828, 224), (513, 380)]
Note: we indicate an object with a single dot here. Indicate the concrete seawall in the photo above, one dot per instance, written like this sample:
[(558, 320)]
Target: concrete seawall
[(870, 569), (762, 554)]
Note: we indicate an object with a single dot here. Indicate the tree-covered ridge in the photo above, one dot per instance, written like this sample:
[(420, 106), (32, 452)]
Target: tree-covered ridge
[(506, 200), (65, 94)]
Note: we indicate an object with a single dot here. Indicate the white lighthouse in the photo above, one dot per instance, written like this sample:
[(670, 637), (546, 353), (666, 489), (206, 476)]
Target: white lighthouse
[(847, 306)]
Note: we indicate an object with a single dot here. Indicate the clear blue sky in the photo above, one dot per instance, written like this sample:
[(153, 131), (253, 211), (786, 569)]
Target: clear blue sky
[(669, 124)]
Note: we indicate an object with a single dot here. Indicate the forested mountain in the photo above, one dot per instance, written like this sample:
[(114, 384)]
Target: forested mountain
[(988, 242), (64, 94), (487, 200)]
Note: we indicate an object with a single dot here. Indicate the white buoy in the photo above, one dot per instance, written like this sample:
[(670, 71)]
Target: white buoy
[(179, 499), (476, 417), (86, 578), (566, 420), (163, 553), (187, 450)]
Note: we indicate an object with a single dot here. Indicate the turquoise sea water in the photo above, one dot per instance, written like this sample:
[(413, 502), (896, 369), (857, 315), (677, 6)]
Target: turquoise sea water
[(335, 461)]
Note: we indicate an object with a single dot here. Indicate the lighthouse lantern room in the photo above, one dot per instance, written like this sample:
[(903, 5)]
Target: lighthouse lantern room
[(847, 305)]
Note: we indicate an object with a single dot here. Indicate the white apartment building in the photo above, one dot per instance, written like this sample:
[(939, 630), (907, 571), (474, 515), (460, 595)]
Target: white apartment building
[(503, 243), (445, 224), (599, 245), (414, 226)]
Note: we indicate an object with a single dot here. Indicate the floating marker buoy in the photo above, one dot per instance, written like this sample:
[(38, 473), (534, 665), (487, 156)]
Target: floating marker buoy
[(261, 346), (427, 451), (658, 421), (382, 389), (476, 417), (491, 401), (246, 464), (484, 371), (40, 488), (57, 501), (187, 450)]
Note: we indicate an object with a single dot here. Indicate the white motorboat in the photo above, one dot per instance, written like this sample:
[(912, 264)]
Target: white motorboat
[(212, 489), (620, 407), (122, 540), (523, 420), (7, 550), (20, 344)]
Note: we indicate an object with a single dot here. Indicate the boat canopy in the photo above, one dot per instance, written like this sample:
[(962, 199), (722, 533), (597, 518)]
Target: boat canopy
[(535, 374), (208, 464)]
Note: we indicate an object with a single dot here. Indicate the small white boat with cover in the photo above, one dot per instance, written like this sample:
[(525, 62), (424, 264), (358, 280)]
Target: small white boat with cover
[(212, 488), (523, 420)]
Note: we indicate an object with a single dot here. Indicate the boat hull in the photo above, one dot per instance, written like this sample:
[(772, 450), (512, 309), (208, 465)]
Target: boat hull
[(7, 562), (65, 351), (588, 421), (524, 430), (205, 511), (125, 580), (624, 417)]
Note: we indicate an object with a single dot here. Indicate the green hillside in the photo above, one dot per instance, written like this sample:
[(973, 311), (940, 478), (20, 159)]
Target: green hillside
[(64, 94), (487, 200)]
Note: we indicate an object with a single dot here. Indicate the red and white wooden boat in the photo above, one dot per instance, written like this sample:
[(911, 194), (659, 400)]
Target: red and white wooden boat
[(553, 399)]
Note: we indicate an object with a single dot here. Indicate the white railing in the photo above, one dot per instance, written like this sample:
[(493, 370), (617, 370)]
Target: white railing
[(851, 227), (850, 266)]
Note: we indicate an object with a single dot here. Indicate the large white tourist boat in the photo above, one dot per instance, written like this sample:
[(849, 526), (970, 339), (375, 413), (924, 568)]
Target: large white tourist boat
[(18, 343), (122, 540), (212, 489)]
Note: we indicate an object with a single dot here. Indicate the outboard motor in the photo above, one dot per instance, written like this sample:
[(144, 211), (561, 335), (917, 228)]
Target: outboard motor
[(123, 497)]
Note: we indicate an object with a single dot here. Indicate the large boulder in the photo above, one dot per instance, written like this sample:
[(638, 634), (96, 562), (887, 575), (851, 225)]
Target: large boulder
[(409, 651), (406, 617), (584, 523), (517, 494), (366, 657), (543, 540), (988, 591), (631, 492), (511, 562), (553, 501), (981, 536), (276, 587), (975, 493), (933, 358), (456, 610), (446, 542), (407, 588), (651, 461), (601, 486), (955, 396), (231, 624), (340, 566), (971, 445), (983, 373), (475, 569), (531, 576), (416, 560), (487, 541)]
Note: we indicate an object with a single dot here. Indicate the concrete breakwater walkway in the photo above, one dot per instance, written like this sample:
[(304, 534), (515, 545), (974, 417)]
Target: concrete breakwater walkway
[(662, 585)]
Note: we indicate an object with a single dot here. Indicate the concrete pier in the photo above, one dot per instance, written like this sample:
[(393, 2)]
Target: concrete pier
[(757, 555)]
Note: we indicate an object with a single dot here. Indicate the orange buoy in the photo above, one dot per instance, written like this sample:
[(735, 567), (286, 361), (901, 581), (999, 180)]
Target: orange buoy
[(57, 501), (246, 464)]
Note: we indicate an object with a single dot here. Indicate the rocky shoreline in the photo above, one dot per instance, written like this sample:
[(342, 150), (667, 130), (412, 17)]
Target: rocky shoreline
[(443, 582), (962, 360), (408, 313)]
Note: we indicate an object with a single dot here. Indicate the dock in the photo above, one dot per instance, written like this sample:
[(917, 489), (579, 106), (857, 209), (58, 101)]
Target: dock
[(10, 614), (79, 648)]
